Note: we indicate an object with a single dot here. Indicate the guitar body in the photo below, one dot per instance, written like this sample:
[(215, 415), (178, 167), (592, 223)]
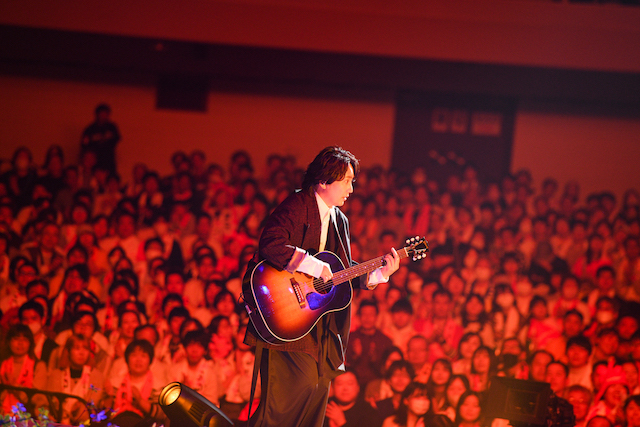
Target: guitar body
[(285, 306)]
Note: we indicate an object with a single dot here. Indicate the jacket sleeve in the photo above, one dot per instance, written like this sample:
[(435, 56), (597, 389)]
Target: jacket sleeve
[(278, 240)]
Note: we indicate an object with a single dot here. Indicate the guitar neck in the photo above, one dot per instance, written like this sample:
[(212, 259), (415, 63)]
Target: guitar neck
[(364, 268)]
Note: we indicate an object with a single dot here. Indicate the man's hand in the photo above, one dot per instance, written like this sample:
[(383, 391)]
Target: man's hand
[(326, 274), (335, 415), (392, 263)]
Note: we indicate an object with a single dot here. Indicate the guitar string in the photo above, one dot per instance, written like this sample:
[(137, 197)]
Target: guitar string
[(357, 270)]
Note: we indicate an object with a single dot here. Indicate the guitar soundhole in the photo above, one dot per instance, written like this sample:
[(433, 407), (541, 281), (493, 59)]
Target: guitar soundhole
[(321, 287)]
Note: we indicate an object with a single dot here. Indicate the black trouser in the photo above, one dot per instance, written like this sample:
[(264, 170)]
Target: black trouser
[(293, 394)]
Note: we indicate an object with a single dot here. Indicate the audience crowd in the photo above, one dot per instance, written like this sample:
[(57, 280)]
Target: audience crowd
[(111, 288)]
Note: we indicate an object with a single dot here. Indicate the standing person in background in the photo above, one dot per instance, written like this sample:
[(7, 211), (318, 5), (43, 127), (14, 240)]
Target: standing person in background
[(101, 137), (368, 343), (296, 376)]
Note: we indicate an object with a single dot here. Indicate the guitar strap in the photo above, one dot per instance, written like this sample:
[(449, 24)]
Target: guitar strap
[(254, 379), (335, 230)]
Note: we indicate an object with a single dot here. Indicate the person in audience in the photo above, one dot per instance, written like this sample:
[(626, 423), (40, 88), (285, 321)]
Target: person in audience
[(457, 386), (76, 280), (21, 368), (557, 376), (14, 295), (606, 315), (483, 366), (580, 398), (438, 379), (505, 317), (379, 388), (628, 276), (441, 329), (630, 370), (345, 408), (579, 361), (610, 399), (572, 325), (171, 342), (139, 390), (606, 345), (195, 371), (469, 410), (128, 321), (538, 362), (83, 323), (476, 320), (418, 356), (399, 375), (605, 286), (367, 344), (52, 238), (76, 375), (401, 328), (466, 347), (32, 315), (415, 409), (119, 292), (221, 351), (194, 288), (632, 410), (627, 325), (45, 253)]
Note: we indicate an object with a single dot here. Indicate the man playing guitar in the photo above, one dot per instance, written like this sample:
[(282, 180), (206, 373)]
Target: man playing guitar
[(296, 373)]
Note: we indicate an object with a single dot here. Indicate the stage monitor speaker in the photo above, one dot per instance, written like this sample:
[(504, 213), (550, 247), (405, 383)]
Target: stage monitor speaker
[(522, 402)]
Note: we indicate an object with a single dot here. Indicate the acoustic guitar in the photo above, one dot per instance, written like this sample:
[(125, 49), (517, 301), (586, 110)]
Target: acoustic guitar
[(284, 307)]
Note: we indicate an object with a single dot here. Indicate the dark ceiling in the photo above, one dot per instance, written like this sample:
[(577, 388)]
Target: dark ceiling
[(129, 60)]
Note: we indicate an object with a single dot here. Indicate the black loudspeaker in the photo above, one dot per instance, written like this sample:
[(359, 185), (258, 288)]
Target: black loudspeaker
[(182, 93), (522, 402)]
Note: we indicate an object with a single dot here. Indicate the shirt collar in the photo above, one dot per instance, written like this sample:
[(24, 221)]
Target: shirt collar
[(323, 208)]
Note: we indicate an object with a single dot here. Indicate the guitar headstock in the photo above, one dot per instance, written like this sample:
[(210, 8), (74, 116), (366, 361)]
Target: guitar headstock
[(417, 247)]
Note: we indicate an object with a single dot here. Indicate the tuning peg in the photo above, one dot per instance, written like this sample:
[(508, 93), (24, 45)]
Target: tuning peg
[(407, 241)]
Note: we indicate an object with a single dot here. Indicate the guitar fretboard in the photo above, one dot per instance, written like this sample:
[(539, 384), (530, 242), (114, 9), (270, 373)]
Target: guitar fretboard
[(364, 268)]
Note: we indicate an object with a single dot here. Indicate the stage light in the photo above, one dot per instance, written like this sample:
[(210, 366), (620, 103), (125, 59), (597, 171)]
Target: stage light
[(187, 408)]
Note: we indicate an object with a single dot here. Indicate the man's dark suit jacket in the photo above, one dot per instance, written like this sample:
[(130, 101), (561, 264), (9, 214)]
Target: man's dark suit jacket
[(296, 223)]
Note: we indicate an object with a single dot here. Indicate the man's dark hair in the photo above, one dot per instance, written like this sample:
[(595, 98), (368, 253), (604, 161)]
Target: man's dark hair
[(31, 305), (442, 292), (199, 336), (605, 268), (330, 165), (171, 297), (79, 315), (580, 340), (574, 312), (144, 327), (562, 365), (368, 303), (398, 365), (120, 284), (143, 345), (78, 248), (402, 305), (82, 270), (102, 107), (537, 352), (178, 312), (37, 282)]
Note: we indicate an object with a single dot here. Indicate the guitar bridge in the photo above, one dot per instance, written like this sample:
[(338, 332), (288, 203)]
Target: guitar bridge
[(296, 288)]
